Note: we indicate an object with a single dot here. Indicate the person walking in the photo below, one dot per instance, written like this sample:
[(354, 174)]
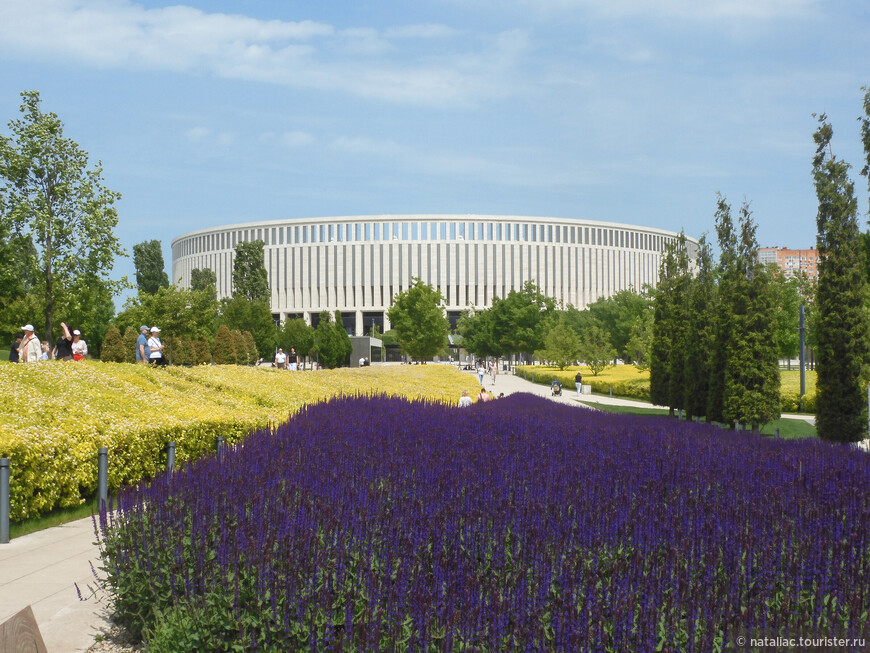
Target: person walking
[(281, 359), (481, 370), (143, 355), (293, 360), (79, 346), (578, 381), (155, 348), (30, 349)]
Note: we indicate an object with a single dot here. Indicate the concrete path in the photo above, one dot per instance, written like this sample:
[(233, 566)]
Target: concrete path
[(42, 569)]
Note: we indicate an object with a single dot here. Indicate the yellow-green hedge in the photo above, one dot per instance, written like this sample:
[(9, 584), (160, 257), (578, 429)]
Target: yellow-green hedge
[(627, 381), (57, 415)]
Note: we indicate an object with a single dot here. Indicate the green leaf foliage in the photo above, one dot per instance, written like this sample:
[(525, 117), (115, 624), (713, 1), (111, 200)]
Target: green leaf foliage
[(562, 345), (752, 369), (332, 345), (596, 350), (150, 269), (841, 320), (417, 316), (250, 280), (50, 198), (113, 347)]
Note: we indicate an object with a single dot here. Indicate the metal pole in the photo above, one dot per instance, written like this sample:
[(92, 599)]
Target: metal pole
[(220, 447), (103, 477), (4, 501), (170, 457), (803, 366)]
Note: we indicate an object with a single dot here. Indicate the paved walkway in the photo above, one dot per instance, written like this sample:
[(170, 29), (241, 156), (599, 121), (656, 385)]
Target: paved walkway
[(42, 569)]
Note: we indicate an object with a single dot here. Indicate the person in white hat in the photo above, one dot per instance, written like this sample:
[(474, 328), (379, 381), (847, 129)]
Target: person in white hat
[(30, 349), (155, 347), (79, 346)]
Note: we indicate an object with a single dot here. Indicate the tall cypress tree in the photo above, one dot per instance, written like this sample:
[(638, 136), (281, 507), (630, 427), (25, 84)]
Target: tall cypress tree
[(752, 368), (679, 326), (666, 366), (841, 338), (722, 324), (250, 279), (699, 336), (150, 272)]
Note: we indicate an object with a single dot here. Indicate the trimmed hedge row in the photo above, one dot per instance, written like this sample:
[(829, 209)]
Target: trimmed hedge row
[(62, 413), (638, 387)]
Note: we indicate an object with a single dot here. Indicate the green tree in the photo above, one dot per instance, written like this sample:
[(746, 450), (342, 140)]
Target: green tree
[(475, 329), (842, 345), (250, 280), (254, 316), (667, 353), (224, 347), (113, 347), (562, 345), (178, 312), (331, 343), (129, 339), (53, 199), (700, 319), (518, 321), (150, 269), (726, 278), (789, 294), (296, 333), (596, 350), (617, 315), (752, 369), (639, 344), (250, 348), (204, 279), (417, 316)]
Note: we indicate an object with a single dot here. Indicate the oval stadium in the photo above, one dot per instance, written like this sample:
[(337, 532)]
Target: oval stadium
[(357, 264)]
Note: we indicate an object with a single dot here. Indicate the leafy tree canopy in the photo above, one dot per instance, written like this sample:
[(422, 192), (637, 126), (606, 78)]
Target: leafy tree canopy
[(417, 316), (250, 280), (150, 269), (562, 345), (50, 197)]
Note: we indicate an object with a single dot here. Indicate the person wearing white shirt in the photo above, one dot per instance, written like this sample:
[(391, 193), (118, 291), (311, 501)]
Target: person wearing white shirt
[(280, 359), (156, 348), (30, 349)]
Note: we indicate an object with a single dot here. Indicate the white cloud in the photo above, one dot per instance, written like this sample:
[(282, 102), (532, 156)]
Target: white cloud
[(691, 9), (296, 139), (363, 61)]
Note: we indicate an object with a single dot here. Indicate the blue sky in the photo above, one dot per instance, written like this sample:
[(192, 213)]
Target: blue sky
[(635, 111)]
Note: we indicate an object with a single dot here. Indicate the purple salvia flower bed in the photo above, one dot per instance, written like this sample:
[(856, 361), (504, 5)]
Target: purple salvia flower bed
[(378, 524)]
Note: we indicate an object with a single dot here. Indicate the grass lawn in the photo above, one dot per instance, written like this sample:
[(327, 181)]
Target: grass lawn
[(56, 517), (789, 429)]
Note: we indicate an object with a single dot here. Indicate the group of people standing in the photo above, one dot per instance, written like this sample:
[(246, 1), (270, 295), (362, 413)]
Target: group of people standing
[(287, 362), (27, 348), (149, 349)]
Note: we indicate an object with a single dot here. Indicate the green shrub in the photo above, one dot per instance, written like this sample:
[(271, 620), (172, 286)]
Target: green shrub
[(113, 346)]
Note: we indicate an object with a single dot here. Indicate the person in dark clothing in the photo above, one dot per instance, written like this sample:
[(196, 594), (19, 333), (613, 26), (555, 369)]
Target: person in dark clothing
[(13, 350), (63, 347)]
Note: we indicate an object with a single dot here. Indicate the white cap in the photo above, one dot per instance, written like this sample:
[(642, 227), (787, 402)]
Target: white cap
[(77, 332), (155, 330), (28, 327)]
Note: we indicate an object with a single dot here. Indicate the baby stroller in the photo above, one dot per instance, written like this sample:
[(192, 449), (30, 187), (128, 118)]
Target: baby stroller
[(556, 388)]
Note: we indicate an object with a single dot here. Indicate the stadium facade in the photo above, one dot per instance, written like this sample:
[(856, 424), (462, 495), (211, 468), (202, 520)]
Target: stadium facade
[(357, 264)]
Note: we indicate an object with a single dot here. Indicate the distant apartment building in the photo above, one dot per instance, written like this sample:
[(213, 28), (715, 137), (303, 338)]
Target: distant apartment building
[(791, 260)]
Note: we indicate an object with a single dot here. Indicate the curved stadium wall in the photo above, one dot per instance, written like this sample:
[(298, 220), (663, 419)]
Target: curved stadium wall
[(358, 264)]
